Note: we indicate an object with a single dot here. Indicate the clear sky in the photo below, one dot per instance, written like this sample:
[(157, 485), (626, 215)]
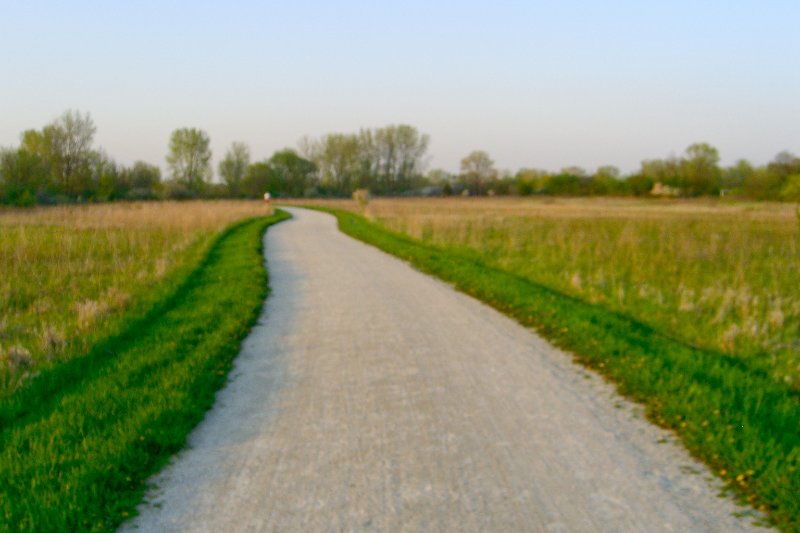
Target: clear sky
[(534, 83)]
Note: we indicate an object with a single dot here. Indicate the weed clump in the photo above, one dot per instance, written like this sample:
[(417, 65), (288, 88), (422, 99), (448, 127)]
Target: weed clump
[(17, 358), (52, 341), (361, 197)]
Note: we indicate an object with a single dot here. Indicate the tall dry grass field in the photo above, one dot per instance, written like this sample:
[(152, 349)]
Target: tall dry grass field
[(67, 272), (719, 275)]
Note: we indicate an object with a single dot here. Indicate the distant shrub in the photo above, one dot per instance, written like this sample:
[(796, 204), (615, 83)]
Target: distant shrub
[(25, 199), (563, 185), (791, 191), (178, 191), (45, 198), (141, 193), (640, 185), (361, 196)]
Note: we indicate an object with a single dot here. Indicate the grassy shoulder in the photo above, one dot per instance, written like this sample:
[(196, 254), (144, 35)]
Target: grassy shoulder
[(78, 442), (736, 418)]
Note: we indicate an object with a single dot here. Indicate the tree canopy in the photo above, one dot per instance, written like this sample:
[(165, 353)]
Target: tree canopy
[(477, 170), (189, 159), (233, 167)]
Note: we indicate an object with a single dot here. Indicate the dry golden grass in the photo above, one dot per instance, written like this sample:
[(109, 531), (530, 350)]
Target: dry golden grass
[(722, 275), (188, 217), (64, 271)]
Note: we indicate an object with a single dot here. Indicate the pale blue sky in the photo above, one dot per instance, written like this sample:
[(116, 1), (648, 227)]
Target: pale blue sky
[(536, 84)]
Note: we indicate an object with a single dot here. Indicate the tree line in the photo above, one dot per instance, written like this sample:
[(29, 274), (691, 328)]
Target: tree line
[(696, 173), (59, 164)]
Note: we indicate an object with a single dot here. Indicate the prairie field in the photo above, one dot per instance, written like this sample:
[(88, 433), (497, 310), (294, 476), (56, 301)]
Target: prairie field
[(719, 275), (66, 273)]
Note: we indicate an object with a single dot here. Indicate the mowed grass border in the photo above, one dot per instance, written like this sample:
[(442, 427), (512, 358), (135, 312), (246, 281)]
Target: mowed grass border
[(78, 442), (728, 414)]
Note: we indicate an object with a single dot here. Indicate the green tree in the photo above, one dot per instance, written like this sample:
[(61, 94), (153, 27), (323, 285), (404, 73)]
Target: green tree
[(291, 174), (143, 181), (395, 154), (564, 184), (639, 184), (78, 135), (24, 177), (783, 168), (477, 170), (437, 176), (700, 172), (735, 176), (767, 183), (234, 166), (383, 160), (189, 159), (145, 176), (103, 179), (530, 181), (664, 171), (441, 179), (791, 190), (605, 181), (340, 162), (66, 146), (257, 180)]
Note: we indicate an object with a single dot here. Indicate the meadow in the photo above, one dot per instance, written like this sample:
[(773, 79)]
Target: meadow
[(717, 275), (689, 307), (119, 322), (69, 273)]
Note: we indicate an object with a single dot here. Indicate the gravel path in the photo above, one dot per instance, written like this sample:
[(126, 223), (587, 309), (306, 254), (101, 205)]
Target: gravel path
[(371, 397)]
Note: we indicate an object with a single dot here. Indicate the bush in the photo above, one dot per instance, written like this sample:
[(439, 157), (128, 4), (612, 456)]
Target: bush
[(639, 184), (25, 199), (178, 191), (141, 193), (44, 197), (791, 190), (361, 196), (564, 185)]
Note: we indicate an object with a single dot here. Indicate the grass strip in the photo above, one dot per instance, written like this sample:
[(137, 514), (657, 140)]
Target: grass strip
[(742, 423), (78, 443)]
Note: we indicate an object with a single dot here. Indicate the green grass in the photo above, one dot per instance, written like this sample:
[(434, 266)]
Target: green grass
[(78, 442), (728, 412)]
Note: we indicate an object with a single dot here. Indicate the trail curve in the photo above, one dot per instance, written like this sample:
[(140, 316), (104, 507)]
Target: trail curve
[(371, 397)]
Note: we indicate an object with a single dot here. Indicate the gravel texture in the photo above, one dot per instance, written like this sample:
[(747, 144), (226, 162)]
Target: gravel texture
[(371, 397)]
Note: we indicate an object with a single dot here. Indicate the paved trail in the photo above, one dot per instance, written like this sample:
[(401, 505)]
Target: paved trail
[(371, 397)]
